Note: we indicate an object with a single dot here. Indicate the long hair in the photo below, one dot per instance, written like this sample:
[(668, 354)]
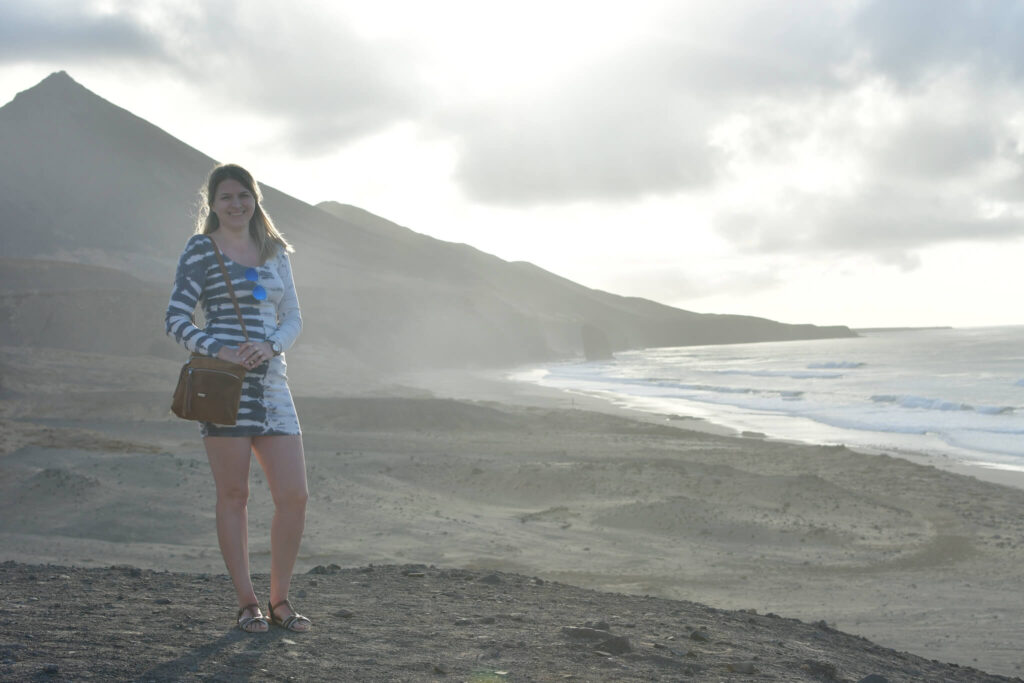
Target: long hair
[(266, 236)]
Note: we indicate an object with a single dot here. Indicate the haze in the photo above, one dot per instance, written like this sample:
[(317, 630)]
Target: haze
[(832, 162)]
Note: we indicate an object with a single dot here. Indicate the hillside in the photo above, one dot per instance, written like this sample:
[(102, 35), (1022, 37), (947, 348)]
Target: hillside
[(88, 183), (419, 623)]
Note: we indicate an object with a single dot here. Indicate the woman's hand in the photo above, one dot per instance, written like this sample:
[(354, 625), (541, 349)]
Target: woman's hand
[(231, 354), (253, 353)]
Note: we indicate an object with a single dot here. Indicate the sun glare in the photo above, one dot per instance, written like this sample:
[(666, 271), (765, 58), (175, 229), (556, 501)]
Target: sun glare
[(488, 50)]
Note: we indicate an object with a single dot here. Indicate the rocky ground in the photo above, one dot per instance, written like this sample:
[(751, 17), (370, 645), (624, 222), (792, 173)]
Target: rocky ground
[(412, 623)]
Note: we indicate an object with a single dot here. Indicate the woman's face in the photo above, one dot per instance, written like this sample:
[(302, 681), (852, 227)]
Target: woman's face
[(233, 204)]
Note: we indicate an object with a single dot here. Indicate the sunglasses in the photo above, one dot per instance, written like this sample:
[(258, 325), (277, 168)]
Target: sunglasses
[(258, 292)]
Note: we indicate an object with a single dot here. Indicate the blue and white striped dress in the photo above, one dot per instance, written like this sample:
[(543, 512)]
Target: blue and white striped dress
[(266, 407)]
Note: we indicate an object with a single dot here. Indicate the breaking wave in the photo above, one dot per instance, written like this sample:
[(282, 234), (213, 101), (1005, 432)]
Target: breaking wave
[(922, 403)]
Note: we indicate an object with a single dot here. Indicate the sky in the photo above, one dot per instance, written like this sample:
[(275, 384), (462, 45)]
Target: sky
[(833, 162)]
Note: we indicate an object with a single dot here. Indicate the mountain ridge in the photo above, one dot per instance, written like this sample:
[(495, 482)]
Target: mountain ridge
[(91, 183)]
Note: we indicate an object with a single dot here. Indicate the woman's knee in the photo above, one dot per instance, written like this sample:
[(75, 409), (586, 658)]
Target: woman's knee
[(233, 496), (292, 498)]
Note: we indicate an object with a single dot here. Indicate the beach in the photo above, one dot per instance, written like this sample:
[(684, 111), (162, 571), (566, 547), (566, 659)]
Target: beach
[(459, 471)]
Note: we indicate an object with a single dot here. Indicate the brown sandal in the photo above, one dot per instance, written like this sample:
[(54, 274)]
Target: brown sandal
[(244, 624), (289, 622)]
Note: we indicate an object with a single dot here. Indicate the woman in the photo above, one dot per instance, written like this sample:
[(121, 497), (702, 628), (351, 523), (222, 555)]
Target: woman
[(256, 258)]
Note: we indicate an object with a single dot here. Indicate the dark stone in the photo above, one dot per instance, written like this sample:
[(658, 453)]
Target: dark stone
[(701, 636), (585, 633), (596, 345), (616, 645), (824, 670)]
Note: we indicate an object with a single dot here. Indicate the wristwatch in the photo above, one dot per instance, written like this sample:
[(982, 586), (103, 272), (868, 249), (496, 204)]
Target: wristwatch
[(275, 346)]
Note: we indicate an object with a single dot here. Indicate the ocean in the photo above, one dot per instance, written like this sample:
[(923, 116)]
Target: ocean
[(958, 393)]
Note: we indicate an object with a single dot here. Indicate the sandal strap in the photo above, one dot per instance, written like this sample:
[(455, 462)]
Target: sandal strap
[(244, 623), (242, 610), (287, 623), (283, 602)]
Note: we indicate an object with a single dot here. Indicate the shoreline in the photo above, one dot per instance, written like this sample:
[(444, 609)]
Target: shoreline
[(497, 386)]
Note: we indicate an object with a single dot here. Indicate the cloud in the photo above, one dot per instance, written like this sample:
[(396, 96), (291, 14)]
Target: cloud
[(848, 126), (295, 65), (876, 127), (636, 122), (681, 284), (912, 39), (605, 138), (36, 30), (931, 149), (878, 170), (325, 85), (891, 224)]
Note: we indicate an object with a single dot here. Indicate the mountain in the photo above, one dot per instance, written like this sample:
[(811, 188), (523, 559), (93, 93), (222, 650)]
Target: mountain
[(96, 204)]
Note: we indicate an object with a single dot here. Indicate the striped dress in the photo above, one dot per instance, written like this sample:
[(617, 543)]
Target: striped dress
[(266, 407)]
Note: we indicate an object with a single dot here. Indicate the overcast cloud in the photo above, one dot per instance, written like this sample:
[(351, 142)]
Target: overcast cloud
[(69, 31), (920, 102), (850, 127)]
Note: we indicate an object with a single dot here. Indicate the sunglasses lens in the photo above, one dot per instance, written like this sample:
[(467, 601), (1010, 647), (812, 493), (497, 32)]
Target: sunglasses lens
[(258, 292)]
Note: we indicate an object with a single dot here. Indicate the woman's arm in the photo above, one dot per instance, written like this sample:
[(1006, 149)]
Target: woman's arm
[(289, 317), (189, 282)]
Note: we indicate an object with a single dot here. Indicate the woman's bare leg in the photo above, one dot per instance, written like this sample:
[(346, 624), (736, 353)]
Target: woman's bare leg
[(229, 461), (284, 464)]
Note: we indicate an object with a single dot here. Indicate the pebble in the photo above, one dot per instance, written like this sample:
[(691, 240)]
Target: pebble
[(585, 633), (616, 645), (820, 669), (701, 636), (491, 579), (742, 668)]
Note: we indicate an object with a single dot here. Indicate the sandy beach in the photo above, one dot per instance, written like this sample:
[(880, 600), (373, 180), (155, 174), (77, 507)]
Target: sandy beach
[(908, 555)]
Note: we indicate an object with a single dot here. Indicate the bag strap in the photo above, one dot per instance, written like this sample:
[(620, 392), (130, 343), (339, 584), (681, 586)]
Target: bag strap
[(231, 289)]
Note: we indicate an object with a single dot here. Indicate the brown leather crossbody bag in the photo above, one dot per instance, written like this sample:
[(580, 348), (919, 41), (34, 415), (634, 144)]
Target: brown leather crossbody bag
[(210, 389)]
